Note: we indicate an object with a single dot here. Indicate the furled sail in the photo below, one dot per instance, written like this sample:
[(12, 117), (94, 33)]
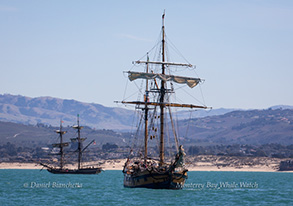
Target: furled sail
[(191, 82), (64, 144)]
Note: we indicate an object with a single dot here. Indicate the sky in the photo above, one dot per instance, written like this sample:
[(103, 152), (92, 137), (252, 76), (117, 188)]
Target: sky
[(74, 49)]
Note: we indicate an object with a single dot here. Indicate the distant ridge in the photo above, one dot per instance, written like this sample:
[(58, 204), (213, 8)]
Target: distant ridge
[(49, 111), (281, 107), (255, 127), (219, 126), (202, 113)]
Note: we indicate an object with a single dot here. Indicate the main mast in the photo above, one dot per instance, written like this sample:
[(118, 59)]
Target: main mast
[(162, 97), (146, 109), (79, 141), (61, 147)]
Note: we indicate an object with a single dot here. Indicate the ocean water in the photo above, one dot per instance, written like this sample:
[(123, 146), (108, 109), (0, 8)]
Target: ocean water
[(32, 187)]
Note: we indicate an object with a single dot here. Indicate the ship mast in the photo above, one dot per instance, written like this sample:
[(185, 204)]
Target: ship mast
[(146, 109), (79, 141), (162, 97), (61, 145)]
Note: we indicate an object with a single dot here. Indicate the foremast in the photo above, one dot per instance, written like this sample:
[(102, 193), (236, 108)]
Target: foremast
[(61, 145)]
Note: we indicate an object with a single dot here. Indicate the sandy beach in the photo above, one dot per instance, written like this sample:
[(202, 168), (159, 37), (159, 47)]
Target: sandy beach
[(197, 163), (105, 164), (223, 163)]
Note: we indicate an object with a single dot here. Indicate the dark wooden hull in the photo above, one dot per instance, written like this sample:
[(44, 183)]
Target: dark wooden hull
[(75, 171), (155, 180), (286, 165)]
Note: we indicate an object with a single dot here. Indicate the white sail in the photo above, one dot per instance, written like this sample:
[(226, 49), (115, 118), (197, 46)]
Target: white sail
[(191, 82)]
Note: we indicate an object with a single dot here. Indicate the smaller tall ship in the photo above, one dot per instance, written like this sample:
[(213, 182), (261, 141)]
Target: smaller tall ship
[(155, 125), (62, 169)]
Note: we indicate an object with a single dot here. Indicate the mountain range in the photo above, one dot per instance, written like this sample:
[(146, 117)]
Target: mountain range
[(33, 120), (49, 111)]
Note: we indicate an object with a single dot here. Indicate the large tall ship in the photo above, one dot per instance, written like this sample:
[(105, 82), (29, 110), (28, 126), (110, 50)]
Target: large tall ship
[(156, 122), (62, 169)]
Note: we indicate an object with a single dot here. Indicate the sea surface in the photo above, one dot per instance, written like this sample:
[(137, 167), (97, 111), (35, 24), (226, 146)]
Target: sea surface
[(34, 187)]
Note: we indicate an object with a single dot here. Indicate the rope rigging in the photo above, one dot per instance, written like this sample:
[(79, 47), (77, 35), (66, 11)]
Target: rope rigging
[(160, 64)]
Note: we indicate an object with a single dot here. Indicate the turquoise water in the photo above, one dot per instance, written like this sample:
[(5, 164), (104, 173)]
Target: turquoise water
[(32, 187)]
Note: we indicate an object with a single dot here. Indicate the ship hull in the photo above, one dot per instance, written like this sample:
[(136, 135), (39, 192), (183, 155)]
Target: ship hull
[(286, 165), (75, 171), (155, 180)]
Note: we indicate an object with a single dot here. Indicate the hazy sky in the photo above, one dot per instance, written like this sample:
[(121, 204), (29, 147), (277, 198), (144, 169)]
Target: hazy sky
[(78, 50)]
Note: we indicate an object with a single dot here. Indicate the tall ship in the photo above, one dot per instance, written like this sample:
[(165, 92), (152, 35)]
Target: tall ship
[(62, 169), (155, 123)]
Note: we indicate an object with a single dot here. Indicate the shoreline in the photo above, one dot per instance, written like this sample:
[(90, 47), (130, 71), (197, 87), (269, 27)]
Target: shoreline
[(24, 166), (208, 164)]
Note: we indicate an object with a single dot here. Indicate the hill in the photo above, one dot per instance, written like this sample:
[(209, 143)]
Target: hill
[(38, 117), (42, 135), (49, 111), (255, 127), (257, 133)]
